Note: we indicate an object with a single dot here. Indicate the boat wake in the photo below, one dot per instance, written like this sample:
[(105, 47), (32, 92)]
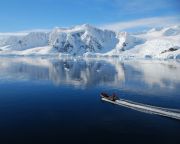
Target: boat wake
[(171, 113)]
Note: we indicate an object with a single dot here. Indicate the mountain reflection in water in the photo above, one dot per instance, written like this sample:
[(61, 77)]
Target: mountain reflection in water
[(92, 72)]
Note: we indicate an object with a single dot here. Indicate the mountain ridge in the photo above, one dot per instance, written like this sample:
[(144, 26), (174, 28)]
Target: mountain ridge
[(86, 40)]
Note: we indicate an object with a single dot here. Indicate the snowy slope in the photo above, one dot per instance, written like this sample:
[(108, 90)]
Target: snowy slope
[(85, 40), (82, 39), (23, 42), (160, 43)]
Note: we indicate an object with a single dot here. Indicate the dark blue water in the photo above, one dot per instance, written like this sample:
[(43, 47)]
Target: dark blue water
[(57, 101)]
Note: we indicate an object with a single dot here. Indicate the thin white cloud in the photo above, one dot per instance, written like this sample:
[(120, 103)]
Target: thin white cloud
[(146, 22), (22, 33)]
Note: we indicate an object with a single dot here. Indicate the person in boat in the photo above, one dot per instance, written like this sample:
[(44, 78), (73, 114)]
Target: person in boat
[(105, 95), (112, 98)]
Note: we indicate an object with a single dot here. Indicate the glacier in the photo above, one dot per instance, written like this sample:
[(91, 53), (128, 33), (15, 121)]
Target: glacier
[(88, 41)]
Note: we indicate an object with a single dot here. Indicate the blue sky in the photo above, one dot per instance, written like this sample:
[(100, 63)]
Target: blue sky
[(19, 15)]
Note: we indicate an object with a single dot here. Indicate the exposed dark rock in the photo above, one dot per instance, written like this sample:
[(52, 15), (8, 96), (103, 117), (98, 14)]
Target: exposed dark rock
[(124, 44), (173, 49), (20, 41), (170, 50)]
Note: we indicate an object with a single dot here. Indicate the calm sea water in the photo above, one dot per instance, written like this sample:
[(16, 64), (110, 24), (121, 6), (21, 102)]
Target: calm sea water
[(57, 101)]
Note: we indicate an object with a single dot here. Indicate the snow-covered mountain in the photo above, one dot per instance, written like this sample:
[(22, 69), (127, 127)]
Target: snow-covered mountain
[(82, 39), (159, 43), (23, 42), (86, 40)]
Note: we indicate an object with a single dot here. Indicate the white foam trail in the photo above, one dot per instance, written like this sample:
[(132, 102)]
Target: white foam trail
[(172, 113)]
